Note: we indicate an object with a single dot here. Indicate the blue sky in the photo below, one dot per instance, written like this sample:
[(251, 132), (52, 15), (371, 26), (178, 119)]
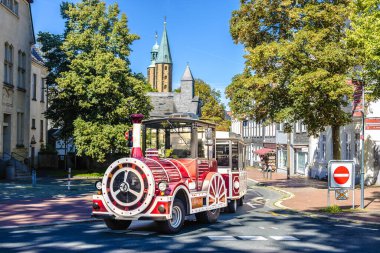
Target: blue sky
[(198, 32)]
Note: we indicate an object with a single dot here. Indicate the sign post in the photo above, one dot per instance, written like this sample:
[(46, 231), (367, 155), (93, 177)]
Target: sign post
[(341, 178)]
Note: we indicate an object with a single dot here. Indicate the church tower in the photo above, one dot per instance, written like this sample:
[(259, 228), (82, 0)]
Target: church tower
[(161, 68), (152, 66)]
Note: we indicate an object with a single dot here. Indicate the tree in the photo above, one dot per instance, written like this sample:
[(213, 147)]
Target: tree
[(212, 107), (296, 63), (363, 39), (95, 89)]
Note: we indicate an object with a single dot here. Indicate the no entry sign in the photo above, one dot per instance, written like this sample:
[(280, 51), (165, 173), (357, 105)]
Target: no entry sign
[(341, 174)]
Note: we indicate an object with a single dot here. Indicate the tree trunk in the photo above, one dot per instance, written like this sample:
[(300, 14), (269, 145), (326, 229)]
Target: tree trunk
[(336, 142)]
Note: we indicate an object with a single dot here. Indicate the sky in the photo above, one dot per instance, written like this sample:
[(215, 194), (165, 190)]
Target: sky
[(198, 32)]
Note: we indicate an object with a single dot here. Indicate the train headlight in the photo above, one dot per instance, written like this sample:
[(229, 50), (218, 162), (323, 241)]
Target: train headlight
[(98, 185), (236, 184), (162, 186)]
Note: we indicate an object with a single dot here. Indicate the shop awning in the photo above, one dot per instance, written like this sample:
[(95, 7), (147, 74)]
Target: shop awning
[(263, 151)]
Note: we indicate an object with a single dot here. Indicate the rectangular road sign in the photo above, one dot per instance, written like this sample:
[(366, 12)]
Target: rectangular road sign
[(341, 194), (341, 174)]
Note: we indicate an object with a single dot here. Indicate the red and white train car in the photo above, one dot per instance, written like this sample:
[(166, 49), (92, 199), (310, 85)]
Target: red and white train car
[(177, 176)]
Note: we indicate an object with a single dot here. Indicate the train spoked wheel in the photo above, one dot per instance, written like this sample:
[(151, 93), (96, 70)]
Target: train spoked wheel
[(217, 193), (127, 187), (175, 224)]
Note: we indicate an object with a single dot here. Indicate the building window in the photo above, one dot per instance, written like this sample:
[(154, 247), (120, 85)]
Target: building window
[(42, 90), (281, 127), (34, 87), (41, 130), (303, 127), (298, 127), (8, 64), (20, 129), (21, 70), (33, 124), (166, 67), (12, 5)]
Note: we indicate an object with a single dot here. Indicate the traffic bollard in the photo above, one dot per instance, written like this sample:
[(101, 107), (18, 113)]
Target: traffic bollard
[(34, 178), (69, 179)]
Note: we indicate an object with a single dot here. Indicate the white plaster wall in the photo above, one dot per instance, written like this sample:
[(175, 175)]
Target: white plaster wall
[(17, 31)]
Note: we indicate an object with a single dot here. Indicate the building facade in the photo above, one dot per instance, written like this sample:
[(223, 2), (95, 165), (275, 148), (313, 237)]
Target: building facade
[(16, 39), (38, 106)]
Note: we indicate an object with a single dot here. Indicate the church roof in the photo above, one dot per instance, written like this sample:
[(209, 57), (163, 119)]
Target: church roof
[(187, 76), (164, 55)]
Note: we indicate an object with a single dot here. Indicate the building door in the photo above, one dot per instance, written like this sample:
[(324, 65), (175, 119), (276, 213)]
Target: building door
[(7, 126), (301, 160)]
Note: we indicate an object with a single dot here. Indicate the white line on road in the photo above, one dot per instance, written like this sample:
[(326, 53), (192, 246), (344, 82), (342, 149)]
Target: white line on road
[(274, 227), (261, 227), (252, 238), (253, 207), (222, 238), (348, 226), (284, 238)]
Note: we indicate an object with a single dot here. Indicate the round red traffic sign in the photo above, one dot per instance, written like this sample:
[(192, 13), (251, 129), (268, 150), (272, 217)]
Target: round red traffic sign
[(341, 175)]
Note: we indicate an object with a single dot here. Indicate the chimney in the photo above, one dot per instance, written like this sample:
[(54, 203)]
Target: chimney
[(136, 149)]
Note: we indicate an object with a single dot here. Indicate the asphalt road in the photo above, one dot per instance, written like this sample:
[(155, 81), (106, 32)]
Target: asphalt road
[(258, 226)]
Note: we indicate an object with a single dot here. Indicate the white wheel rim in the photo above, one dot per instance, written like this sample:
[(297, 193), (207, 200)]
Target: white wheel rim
[(176, 217)]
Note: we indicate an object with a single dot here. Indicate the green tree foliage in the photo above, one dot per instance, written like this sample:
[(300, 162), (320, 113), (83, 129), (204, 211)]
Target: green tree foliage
[(296, 62), (97, 91), (363, 39), (212, 107)]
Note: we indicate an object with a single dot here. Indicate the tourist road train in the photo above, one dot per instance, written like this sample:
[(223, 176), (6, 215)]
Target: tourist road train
[(177, 168)]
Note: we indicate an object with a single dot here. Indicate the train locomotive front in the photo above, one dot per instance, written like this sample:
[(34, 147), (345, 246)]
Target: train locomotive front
[(160, 188)]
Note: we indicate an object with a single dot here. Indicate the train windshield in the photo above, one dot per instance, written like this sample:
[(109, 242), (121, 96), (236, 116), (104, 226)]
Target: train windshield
[(179, 138)]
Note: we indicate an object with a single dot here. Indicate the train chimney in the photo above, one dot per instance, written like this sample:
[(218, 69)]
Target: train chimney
[(136, 149)]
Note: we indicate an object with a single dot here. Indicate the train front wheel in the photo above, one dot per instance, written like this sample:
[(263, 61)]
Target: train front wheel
[(117, 224), (175, 224)]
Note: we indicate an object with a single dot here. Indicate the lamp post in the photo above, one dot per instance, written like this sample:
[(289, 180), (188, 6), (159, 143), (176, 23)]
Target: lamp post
[(32, 151), (362, 112), (362, 144)]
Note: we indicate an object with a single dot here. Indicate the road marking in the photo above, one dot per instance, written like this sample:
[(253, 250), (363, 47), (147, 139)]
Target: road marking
[(253, 207), (284, 238), (252, 238), (348, 226), (140, 233), (274, 227), (222, 238), (261, 227)]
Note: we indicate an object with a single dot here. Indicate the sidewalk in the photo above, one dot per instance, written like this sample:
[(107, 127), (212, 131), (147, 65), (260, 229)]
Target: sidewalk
[(310, 196), (50, 202)]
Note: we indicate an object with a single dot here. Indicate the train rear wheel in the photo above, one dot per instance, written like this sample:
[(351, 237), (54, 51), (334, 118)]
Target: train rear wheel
[(175, 224), (117, 224), (241, 201), (232, 205), (210, 216)]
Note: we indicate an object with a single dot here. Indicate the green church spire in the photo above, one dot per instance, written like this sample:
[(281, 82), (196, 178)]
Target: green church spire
[(164, 55)]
